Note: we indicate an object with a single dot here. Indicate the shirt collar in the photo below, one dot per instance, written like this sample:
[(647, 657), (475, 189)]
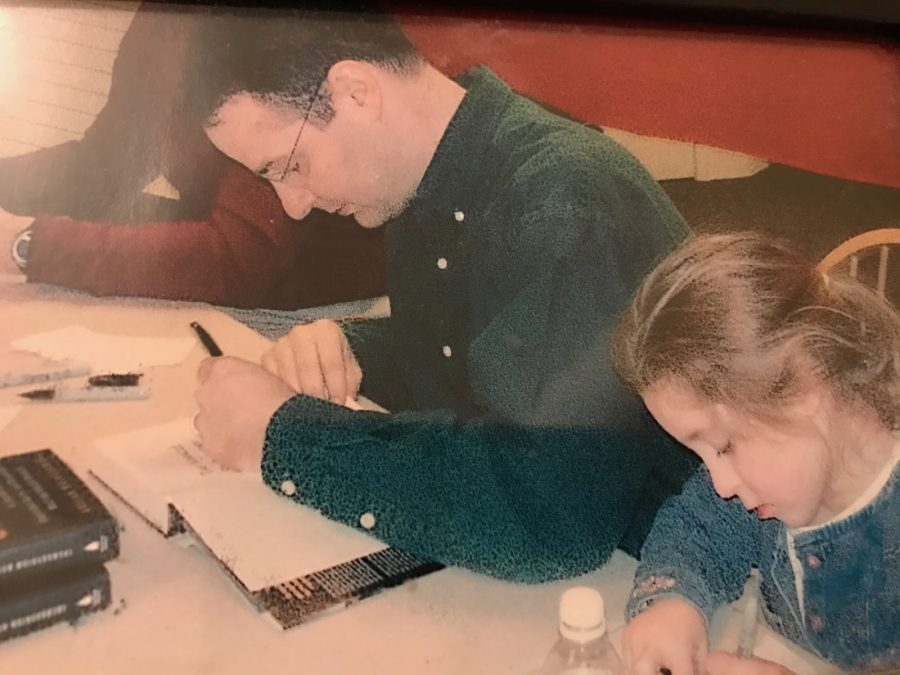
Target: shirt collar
[(452, 174)]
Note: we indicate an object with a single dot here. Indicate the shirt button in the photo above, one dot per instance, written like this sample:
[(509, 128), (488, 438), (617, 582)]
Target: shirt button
[(367, 520), (459, 216), (813, 561), (446, 351), (816, 622), (514, 343), (288, 488), (442, 263)]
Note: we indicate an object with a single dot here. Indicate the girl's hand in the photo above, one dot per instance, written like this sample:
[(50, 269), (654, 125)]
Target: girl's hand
[(723, 663), (671, 634)]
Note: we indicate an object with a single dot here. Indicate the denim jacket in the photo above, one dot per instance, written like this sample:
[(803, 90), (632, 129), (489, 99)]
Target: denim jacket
[(702, 548)]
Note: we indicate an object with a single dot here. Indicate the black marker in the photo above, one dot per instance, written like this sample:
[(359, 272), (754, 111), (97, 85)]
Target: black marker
[(63, 395), (206, 339), (115, 380)]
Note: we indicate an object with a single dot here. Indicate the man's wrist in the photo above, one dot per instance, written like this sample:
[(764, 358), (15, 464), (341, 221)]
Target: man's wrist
[(21, 246)]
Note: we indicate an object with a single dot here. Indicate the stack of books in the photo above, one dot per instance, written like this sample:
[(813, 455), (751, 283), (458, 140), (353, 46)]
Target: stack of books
[(55, 536)]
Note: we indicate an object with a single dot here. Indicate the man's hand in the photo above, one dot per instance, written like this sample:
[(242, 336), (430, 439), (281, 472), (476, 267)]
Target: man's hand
[(723, 663), (315, 359), (236, 398), (670, 634), (10, 227)]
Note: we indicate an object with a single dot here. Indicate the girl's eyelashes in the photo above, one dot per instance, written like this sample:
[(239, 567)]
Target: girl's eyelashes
[(727, 448)]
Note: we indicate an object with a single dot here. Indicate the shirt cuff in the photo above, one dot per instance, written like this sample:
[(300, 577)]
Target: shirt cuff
[(649, 588)]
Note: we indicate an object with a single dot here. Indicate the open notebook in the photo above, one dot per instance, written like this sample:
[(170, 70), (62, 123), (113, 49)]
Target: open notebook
[(290, 561)]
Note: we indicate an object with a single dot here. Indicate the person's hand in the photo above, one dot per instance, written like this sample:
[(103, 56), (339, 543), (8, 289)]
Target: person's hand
[(670, 633), (315, 359), (723, 663), (10, 227), (236, 399)]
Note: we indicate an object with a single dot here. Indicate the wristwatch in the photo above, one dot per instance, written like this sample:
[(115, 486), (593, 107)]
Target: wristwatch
[(20, 247)]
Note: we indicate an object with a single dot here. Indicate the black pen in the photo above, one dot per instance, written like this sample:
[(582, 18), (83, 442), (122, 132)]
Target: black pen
[(206, 339)]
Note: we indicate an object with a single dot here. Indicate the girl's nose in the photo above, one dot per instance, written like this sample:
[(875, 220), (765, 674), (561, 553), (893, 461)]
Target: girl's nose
[(724, 478)]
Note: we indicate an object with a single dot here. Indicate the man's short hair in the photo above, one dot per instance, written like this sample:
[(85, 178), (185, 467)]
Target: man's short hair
[(283, 56)]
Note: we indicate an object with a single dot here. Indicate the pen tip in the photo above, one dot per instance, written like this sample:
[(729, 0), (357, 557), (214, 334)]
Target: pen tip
[(38, 394)]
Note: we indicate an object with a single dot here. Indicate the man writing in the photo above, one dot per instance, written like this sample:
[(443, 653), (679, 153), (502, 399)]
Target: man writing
[(514, 238), (144, 205)]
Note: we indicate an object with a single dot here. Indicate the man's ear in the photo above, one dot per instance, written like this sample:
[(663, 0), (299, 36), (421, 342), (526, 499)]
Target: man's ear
[(354, 88)]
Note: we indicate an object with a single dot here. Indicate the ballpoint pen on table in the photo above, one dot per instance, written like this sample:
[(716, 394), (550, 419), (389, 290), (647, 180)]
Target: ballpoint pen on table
[(66, 395), (63, 373)]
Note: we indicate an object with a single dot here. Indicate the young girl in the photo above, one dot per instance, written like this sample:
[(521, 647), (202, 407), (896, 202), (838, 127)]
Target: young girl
[(786, 383)]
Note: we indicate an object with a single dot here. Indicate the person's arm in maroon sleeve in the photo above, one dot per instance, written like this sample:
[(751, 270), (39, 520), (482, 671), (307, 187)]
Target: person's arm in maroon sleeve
[(231, 258)]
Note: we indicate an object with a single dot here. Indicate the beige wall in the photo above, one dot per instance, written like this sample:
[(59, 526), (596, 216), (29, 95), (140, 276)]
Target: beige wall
[(55, 65), (56, 60)]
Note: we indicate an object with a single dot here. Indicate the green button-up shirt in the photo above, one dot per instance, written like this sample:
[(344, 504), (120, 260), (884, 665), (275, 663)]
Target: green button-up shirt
[(515, 450)]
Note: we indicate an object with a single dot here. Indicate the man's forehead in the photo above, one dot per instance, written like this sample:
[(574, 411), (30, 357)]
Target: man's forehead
[(249, 111), (251, 131)]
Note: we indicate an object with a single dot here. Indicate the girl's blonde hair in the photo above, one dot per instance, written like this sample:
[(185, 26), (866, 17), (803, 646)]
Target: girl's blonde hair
[(747, 321)]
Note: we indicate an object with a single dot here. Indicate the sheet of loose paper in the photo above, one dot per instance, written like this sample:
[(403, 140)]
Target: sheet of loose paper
[(105, 352)]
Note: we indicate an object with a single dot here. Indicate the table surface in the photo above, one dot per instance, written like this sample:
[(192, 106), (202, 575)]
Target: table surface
[(173, 608)]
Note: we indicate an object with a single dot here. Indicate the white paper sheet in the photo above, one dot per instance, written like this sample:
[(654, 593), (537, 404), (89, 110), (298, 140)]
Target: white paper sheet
[(7, 413), (104, 352)]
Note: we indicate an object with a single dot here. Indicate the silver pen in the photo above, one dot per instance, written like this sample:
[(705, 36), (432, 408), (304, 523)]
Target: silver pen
[(18, 379), (69, 394)]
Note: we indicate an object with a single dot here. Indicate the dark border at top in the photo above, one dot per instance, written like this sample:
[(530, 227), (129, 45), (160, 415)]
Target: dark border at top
[(881, 17)]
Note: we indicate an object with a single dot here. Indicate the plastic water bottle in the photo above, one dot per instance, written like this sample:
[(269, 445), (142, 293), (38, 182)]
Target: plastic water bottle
[(583, 647)]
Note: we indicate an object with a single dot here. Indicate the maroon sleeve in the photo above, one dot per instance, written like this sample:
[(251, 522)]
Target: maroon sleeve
[(232, 258)]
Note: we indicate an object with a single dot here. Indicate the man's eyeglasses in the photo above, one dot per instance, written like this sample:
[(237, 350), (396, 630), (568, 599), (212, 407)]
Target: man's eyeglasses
[(287, 165)]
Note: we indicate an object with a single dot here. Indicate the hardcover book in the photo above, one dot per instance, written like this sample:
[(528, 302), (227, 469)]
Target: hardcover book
[(291, 562), (50, 521), (43, 599)]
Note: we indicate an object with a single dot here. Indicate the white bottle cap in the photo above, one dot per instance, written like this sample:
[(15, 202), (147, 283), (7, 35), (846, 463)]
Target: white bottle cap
[(581, 614)]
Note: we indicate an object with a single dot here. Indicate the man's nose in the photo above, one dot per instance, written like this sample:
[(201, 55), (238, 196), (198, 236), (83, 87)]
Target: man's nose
[(295, 201), (724, 479)]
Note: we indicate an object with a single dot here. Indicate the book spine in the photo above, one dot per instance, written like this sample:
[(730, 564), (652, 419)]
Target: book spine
[(299, 600), (92, 544), (64, 599)]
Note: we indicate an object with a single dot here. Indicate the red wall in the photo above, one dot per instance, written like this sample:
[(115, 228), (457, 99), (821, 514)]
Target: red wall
[(826, 105)]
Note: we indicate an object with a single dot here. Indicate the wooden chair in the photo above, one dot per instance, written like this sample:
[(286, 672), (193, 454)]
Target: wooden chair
[(862, 247)]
